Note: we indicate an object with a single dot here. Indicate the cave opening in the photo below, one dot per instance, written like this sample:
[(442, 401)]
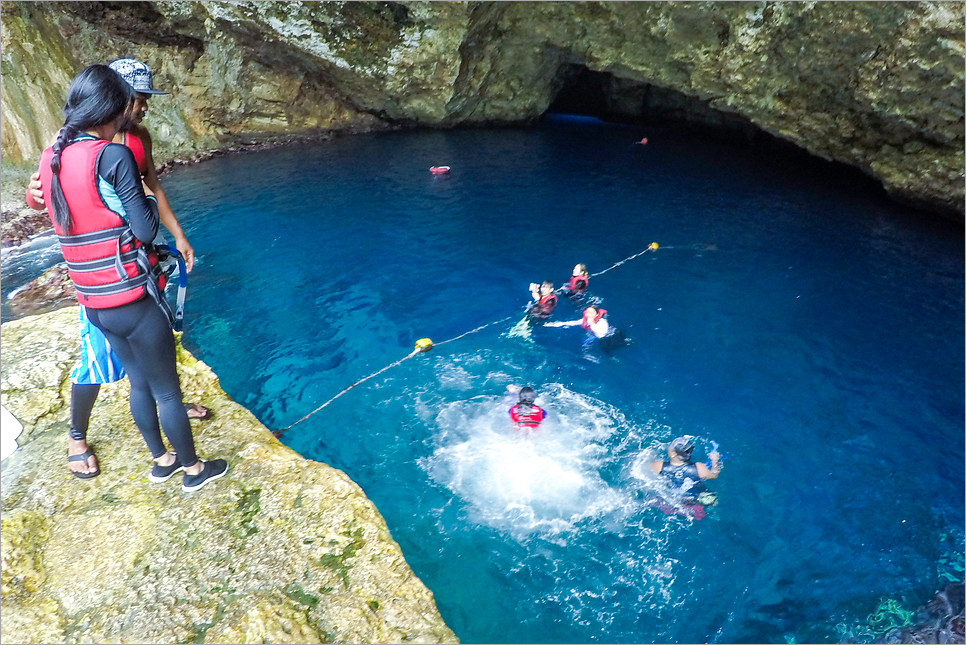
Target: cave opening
[(612, 99), (584, 92)]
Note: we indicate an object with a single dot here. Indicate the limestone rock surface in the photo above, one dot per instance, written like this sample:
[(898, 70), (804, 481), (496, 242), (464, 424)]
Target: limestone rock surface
[(876, 85), (281, 550)]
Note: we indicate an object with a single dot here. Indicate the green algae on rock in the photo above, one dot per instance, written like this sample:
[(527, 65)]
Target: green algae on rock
[(282, 550)]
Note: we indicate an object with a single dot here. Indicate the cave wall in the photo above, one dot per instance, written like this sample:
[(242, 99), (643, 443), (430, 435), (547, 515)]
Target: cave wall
[(879, 86)]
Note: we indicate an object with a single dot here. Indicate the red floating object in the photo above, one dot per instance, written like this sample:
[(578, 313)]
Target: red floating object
[(439, 170)]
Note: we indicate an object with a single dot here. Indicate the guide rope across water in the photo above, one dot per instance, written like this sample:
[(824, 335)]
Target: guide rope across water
[(422, 345), (425, 344), (650, 247)]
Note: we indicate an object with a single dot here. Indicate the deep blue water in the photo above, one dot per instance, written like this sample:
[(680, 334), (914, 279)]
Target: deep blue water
[(792, 314)]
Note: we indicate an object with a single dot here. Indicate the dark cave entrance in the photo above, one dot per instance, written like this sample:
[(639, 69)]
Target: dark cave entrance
[(583, 92)]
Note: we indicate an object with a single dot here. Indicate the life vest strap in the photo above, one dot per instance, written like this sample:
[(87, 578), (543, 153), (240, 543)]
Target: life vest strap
[(125, 238), (111, 289), (86, 266), (182, 282), (154, 272), (93, 237)]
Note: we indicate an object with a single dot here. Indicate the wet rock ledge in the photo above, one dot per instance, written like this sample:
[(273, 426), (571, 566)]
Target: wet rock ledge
[(282, 550)]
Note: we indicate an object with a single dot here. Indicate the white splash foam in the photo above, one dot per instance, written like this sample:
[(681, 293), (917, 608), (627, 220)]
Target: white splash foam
[(546, 481)]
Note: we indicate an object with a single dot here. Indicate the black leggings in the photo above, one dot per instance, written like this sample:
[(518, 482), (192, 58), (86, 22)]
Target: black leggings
[(141, 337), (82, 399)]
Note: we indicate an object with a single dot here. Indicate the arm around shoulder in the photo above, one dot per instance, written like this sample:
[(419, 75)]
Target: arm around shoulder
[(35, 193)]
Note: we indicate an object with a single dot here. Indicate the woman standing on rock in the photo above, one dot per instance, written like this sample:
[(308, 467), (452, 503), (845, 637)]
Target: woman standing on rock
[(106, 224)]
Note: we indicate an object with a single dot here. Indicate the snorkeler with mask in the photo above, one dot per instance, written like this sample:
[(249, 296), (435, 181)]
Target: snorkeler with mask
[(687, 477)]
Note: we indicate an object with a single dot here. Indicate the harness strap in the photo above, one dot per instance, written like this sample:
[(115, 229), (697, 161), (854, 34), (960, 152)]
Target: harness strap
[(86, 266), (152, 285), (111, 289), (182, 282), (93, 237)]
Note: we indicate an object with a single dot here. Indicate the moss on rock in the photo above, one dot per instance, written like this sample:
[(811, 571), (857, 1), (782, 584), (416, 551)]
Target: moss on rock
[(282, 549)]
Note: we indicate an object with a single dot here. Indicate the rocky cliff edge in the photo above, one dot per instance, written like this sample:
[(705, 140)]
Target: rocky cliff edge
[(282, 550)]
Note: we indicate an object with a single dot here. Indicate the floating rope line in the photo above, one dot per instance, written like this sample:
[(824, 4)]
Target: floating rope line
[(650, 247), (496, 322), (422, 345), (425, 344)]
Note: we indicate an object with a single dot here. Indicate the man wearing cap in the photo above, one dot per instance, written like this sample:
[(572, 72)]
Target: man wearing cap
[(684, 475), (136, 137), (98, 364)]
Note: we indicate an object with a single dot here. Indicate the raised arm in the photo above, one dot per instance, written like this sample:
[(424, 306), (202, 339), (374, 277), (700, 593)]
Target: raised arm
[(563, 323), (710, 473)]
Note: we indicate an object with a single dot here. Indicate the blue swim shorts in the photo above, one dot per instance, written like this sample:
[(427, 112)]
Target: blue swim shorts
[(98, 364)]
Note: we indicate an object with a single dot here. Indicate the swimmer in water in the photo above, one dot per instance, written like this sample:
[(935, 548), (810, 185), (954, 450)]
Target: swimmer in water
[(525, 414), (578, 281), (594, 321), (687, 477), (544, 300)]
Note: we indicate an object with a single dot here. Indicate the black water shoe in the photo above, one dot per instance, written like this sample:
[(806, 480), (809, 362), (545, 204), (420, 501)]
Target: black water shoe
[(161, 474), (210, 471)]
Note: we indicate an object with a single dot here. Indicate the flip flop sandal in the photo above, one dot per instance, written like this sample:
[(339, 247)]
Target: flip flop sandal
[(188, 407), (84, 456)]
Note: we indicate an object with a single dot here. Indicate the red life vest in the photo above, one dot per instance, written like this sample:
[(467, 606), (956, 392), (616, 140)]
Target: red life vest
[(600, 314), (531, 420), (107, 264), (132, 141), (578, 282), (546, 304)]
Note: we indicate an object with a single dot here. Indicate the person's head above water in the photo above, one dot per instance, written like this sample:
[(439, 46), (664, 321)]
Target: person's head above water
[(527, 396), (682, 447), (546, 288), (580, 270)]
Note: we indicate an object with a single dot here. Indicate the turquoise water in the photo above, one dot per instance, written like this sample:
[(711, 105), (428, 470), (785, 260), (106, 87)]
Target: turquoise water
[(791, 314)]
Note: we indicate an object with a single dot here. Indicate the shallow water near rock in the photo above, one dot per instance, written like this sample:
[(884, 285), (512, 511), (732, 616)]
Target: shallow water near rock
[(791, 314)]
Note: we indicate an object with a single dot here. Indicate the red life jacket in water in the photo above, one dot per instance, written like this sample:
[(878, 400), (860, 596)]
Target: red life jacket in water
[(545, 305), (107, 264), (600, 314), (531, 420), (133, 142), (578, 282)]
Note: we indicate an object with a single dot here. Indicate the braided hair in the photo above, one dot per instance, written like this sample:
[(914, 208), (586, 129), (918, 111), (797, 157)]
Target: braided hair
[(96, 96)]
